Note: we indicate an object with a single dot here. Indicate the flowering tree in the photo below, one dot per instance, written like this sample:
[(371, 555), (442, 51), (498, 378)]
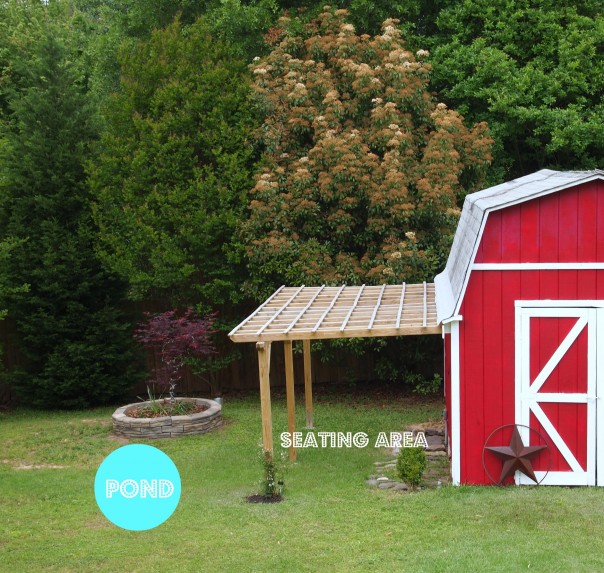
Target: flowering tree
[(364, 171), (175, 338)]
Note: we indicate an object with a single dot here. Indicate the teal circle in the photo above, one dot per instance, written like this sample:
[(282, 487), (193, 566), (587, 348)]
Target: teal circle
[(137, 487)]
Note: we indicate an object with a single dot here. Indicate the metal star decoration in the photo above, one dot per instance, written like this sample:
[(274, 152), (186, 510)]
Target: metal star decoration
[(516, 456)]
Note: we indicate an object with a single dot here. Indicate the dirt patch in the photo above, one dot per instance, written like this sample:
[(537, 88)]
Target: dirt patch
[(40, 467), (97, 523), (118, 439), (429, 428), (264, 498), (96, 421)]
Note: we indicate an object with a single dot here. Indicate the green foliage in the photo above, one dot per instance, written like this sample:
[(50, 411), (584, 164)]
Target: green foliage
[(533, 70), (74, 339), (272, 470), (410, 465), (7, 289), (337, 201), (173, 166), (242, 24), (368, 15), (156, 408), (424, 386)]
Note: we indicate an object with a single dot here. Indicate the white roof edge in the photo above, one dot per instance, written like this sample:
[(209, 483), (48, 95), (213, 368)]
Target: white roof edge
[(445, 303), (505, 194)]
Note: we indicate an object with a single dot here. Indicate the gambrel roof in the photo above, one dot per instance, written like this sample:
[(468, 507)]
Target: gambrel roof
[(451, 283)]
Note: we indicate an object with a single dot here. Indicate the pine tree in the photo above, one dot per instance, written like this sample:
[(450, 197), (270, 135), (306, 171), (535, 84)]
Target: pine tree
[(70, 331)]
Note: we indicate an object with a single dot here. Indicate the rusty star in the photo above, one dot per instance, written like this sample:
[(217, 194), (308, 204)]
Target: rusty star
[(516, 456)]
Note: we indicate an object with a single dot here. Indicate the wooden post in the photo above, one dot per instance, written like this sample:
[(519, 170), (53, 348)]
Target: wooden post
[(291, 396), (308, 384), (264, 366)]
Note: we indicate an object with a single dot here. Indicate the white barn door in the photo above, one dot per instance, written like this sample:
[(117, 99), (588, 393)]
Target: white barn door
[(557, 387)]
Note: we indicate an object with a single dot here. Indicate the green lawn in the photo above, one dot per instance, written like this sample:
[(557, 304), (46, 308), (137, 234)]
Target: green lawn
[(330, 521)]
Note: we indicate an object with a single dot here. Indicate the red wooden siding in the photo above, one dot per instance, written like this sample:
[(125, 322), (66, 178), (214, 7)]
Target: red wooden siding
[(567, 226), (487, 349)]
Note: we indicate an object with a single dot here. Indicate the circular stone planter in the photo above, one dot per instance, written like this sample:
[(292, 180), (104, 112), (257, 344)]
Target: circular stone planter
[(168, 426)]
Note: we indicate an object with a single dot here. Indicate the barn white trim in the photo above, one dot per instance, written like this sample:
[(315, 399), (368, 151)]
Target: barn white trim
[(528, 396), (537, 266), (563, 304), (455, 406)]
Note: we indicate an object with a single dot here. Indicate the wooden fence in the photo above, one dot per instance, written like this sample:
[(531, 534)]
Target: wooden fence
[(240, 374)]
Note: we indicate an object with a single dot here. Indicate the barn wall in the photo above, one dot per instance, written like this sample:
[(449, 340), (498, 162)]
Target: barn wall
[(563, 227), (487, 347)]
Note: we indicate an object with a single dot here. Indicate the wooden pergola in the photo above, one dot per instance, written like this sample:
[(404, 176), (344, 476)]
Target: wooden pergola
[(325, 312)]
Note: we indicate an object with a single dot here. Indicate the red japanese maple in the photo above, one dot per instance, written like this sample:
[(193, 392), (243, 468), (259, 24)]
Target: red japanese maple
[(175, 338)]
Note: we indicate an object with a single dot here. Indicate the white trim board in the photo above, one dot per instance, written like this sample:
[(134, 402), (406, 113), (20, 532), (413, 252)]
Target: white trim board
[(568, 305), (537, 266), (455, 414)]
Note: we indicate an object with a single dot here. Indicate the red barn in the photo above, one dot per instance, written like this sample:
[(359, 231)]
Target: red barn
[(521, 301)]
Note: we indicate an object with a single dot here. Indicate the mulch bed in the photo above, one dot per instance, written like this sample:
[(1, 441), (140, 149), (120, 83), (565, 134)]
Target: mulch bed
[(264, 498), (165, 409)]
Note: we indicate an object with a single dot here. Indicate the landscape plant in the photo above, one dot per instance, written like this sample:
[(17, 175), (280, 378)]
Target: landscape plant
[(271, 483), (533, 70), (410, 465), (173, 168), (362, 167), (175, 338)]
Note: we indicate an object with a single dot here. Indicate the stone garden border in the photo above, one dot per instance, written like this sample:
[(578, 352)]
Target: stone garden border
[(168, 426)]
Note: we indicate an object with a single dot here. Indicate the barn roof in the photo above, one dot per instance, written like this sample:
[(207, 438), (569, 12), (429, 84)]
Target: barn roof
[(450, 284)]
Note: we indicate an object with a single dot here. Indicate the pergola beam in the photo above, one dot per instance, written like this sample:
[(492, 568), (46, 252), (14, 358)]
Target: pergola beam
[(308, 385), (264, 367), (290, 393)]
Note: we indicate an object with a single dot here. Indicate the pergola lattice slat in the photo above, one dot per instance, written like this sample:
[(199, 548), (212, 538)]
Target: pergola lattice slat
[(306, 307), (326, 311), (352, 308), (306, 313), (280, 310), (400, 307)]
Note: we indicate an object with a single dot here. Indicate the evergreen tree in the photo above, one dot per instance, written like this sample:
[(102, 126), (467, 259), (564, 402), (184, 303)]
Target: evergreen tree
[(173, 168), (75, 342)]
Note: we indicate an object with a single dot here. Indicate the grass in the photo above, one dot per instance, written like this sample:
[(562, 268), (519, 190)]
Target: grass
[(330, 520)]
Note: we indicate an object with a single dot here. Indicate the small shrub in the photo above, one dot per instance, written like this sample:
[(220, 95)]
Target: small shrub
[(272, 482), (425, 386), (410, 465), (176, 338)]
